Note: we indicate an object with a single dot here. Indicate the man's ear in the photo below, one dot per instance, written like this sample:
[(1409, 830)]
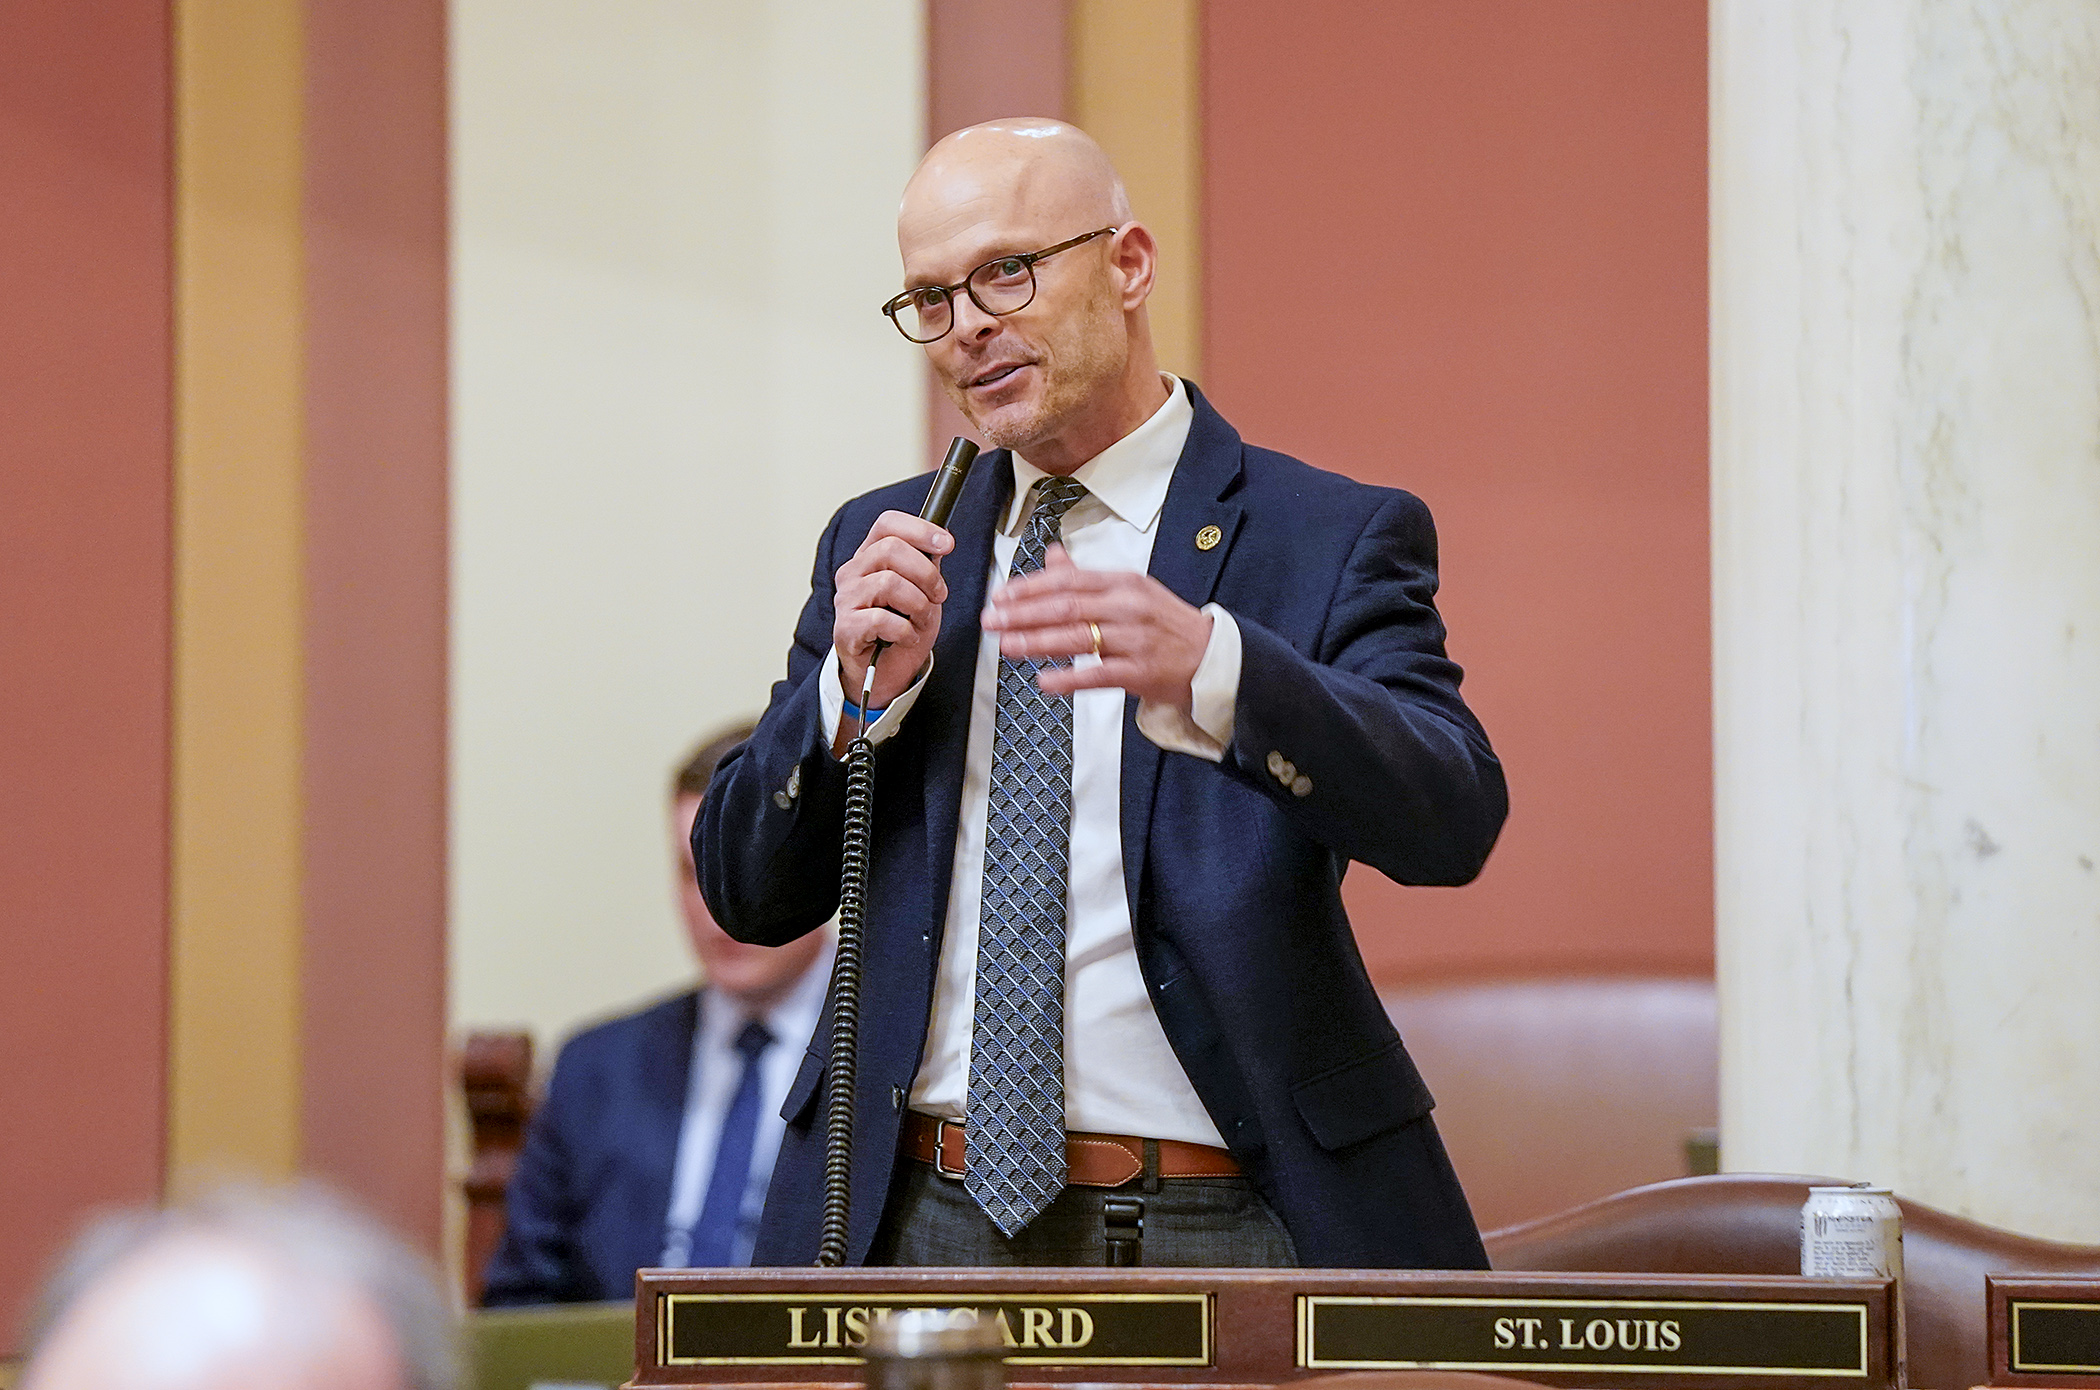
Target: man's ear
[(1135, 257)]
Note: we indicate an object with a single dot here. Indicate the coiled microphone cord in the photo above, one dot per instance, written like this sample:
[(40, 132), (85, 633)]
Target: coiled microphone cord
[(845, 1027), (844, 1060)]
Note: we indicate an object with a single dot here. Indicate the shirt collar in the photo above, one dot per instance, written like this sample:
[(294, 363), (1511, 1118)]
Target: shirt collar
[(1130, 476)]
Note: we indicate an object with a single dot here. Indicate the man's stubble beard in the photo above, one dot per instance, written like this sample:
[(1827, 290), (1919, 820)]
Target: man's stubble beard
[(1094, 356)]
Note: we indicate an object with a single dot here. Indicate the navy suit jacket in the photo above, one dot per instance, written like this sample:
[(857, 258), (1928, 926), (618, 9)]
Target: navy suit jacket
[(586, 1206), (1234, 880)]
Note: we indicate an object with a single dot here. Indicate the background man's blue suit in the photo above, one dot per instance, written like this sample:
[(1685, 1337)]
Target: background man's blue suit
[(593, 1186), (1234, 881)]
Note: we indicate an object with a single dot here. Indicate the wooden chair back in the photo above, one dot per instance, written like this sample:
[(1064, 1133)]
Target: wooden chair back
[(1552, 1092), (495, 1071)]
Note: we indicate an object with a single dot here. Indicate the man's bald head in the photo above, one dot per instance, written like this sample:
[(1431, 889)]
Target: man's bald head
[(1029, 165), (1070, 371), (243, 1291)]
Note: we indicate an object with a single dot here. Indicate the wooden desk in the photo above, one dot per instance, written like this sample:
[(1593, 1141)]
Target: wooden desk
[(2044, 1330), (1214, 1328)]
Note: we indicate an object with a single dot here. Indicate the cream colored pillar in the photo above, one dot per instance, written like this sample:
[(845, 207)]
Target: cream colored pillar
[(1906, 428)]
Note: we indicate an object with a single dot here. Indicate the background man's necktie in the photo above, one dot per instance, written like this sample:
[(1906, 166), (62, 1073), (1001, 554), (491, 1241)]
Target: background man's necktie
[(1016, 1162), (714, 1234)]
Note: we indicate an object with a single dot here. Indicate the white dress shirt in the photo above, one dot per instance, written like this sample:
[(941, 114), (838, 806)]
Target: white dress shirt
[(711, 1084), (1121, 1075)]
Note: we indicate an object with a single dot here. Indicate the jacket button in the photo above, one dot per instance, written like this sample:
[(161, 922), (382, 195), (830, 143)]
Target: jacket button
[(1275, 763), (780, 799), (896, 1097), (1301, 785), (794, 787), (1285, 773)]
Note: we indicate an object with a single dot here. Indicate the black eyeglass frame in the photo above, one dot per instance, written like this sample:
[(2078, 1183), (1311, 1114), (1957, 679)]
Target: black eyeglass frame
[(899, 303)]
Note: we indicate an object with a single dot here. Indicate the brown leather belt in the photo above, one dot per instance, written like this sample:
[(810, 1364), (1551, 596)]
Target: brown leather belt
[(1091, 1160)]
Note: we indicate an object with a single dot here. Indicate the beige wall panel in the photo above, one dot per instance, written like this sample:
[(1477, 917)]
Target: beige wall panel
[(1134, 88), (673, 224), (234, 996)]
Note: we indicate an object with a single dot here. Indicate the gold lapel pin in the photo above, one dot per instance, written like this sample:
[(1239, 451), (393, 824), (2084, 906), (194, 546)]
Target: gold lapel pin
[(1208, 538)]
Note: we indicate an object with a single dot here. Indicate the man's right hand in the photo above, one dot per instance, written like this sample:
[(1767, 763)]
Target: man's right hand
[(890, 590)]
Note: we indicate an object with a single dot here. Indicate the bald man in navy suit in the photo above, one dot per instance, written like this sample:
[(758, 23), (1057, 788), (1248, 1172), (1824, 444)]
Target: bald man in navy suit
[(1145, 699)]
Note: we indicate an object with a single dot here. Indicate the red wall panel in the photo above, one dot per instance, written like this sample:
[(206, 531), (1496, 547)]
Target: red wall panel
[(986, 59), (84, 585), (1461, 249), (376, 546)]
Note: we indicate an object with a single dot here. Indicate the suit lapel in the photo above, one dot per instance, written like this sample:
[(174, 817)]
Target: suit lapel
[(1199, 497), (950, 690)]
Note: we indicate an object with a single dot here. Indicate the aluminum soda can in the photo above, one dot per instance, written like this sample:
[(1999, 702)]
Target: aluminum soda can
[(1856, 1232)]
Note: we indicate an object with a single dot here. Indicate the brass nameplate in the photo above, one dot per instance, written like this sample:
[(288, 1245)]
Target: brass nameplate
[(2054, 1338), (1050, 1329), (1517, 1335)]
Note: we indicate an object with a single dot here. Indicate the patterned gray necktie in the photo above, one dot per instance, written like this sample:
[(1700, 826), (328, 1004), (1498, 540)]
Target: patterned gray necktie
[(1016, 1163)]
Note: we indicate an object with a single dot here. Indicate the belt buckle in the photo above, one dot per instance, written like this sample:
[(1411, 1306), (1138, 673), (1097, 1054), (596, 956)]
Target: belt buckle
[(940, 1148)]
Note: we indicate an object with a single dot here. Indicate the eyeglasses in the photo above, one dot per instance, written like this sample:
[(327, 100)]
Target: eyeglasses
[(1002, 286)]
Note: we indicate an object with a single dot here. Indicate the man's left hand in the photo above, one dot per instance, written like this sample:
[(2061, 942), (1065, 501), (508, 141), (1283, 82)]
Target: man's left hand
[(1150, 640)]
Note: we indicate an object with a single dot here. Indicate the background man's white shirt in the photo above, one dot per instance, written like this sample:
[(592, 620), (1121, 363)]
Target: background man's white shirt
[(711, 1083)]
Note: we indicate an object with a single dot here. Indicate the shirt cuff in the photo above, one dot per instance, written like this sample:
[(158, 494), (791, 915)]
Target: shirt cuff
[(831, 698), (1206, 728)]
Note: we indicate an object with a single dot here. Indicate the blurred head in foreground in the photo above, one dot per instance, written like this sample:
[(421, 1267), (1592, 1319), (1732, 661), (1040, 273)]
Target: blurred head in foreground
[(243, 1290)]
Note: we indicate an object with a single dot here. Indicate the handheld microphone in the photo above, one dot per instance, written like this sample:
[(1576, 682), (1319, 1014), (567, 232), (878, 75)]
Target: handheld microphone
[(948, 482), (940, 501)]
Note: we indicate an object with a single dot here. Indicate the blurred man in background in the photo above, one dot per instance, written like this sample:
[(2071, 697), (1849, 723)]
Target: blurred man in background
[(658, 1134), (242, 1291)]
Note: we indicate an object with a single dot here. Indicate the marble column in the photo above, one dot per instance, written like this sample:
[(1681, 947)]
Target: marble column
[(1906, 551)]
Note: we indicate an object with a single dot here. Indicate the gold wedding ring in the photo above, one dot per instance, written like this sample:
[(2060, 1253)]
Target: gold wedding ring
[(1095, 629)]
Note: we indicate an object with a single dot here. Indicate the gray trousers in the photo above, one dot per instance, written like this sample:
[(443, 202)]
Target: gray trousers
[(1203, 1222)]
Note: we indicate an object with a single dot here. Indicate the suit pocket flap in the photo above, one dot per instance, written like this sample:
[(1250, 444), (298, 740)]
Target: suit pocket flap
[(1352, 1102), (808, 1083)]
